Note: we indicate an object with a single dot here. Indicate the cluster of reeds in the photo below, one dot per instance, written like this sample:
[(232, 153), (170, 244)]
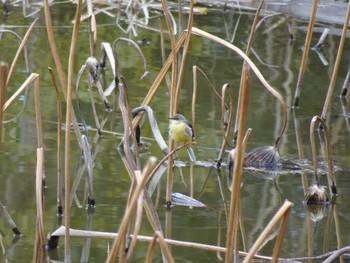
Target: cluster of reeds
[(125, 240)]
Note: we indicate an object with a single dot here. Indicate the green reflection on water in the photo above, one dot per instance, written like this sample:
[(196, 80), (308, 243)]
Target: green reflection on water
[(260, 197)]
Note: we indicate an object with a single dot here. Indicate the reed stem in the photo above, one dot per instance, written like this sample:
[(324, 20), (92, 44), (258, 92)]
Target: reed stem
[(305, 54)]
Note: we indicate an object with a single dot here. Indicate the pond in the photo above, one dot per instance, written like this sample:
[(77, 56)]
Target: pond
[(277, 57)]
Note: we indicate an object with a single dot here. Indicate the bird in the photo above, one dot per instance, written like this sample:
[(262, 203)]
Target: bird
[(181, 131)]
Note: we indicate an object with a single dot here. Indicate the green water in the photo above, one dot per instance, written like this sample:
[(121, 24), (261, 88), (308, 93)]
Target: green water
[(260, 197)]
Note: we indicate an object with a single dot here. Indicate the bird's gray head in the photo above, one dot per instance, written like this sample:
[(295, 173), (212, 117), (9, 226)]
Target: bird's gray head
[(177, 117)]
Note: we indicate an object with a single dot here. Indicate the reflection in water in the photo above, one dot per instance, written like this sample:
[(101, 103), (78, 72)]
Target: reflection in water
[(263, 191)]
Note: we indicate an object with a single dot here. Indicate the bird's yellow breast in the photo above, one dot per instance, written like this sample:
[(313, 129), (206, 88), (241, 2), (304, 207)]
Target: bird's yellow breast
[(179, 132)]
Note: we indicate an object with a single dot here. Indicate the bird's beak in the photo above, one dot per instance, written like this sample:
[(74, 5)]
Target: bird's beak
[(170, 118)]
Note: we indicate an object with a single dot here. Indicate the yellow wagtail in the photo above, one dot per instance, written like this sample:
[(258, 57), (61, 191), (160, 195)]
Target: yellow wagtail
[(181, 131)]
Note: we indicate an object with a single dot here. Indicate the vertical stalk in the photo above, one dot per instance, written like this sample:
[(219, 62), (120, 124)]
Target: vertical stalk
[(59, 142), (305, 54), (3, 90), (330, 92), (242, 112), (67, 134)]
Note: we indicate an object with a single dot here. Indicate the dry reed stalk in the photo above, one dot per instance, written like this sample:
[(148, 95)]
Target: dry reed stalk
[(59, 67), (331, 87), (173, 106), (92, 34), (130, 209), (39, 128), (281, 215), (59, 146), (28, 81), (19, 50), (232, 232), (305, 54), (69, 117), (226, 125), (129, 120), (162, 49), (242, 112), (184, 58), (3, 91), (109, 235), (39, 249)]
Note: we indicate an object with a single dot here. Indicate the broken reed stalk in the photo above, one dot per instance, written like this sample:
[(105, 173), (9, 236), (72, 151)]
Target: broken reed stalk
[(305, 54), (281, 215), (226, 124), (331, 87), (19, 50), (59, 67), (59, 146), (3, 91), (28, 81), (39, 128), (130, 209), (69, 114), (39, 248), (241, 119)]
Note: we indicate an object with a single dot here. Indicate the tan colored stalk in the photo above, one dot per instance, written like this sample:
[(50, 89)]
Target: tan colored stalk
[(226, 130), (281, 215), (28, 81), (38, 113), (108, 235), (184, 58), (59, 67), (59, 145), (305, 53), (331, 87), (232, 233), (19, 50), (40, 239), (130, 210), (242, 112), (3, 91), (194, 95), (69, 114), (173, 106)]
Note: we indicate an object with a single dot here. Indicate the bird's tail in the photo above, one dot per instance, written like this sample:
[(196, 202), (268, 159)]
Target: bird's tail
[(191, 154)]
